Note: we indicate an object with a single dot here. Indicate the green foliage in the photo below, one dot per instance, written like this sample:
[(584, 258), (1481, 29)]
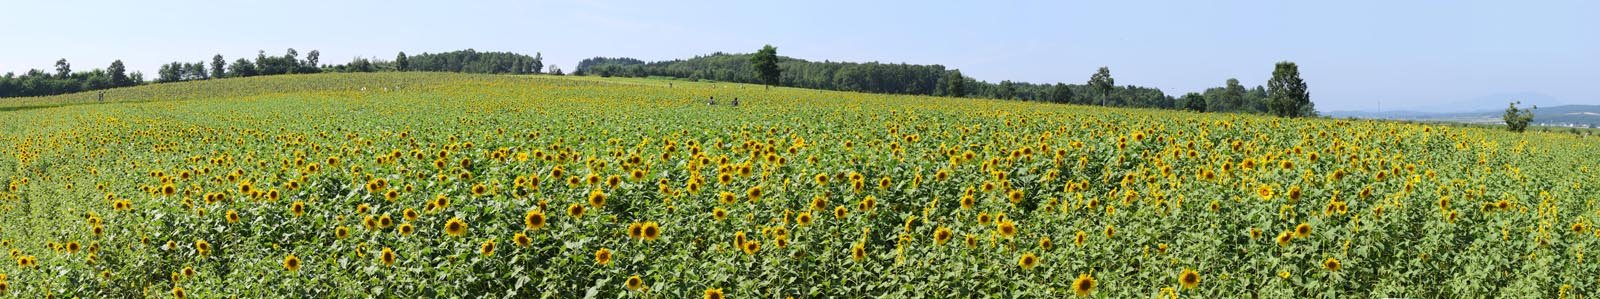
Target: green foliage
[(1102, 82), (1060, 93), (1288, 92), (1517, 119), (401, 62), (955, 85), (1193, 102), (765, 63)]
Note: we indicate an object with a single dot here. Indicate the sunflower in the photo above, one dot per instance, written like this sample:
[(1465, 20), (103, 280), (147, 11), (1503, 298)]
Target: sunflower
[(942, 235), (1015, 196), (410, 214), (635, 283), (297, 208), (291, 263), (868, 203), (1007, 228), (719, 214), (387, 257), (200, 246), (840, 212), (1189, 278), (575, 210), (1255, 233), (534, 219), (1027, 261), (341, 232), (487, 248), (984, 218), (597, 198), (727, 197), (803, 218), (651, 231), (751, 247), (1046, 244), (455, 227), (714, 294), (177, 292), (967, 202), (859, 251), (1264, 191), (1110, 231), (441, 202), (1285, 237), (635, 230), (753, 194), (232, 216), (1083, 285), (1331, 264), (1303, 230), (406, 229), (602, 256)]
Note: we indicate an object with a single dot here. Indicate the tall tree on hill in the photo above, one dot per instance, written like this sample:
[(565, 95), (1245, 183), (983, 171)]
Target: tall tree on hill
[(400, 62), (537, 65), (217, 66), (1288, 92), (118, 73), (765, 63), (63, 69), (955, 85), (1102, 82)]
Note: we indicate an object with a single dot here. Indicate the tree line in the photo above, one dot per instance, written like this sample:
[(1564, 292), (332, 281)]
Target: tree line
[(38, 82), (63, 80), (1285, 95)]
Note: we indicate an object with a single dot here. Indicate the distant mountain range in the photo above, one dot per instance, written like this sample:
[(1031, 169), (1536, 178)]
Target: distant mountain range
[(1587, 116)]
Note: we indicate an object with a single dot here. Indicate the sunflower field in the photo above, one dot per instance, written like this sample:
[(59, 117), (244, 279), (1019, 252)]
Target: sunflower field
[(420, 185)]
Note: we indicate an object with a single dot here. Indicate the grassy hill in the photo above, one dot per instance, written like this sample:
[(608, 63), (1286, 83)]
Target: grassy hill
[(453, 185)]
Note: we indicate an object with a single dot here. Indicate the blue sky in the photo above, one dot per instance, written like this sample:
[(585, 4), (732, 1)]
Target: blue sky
[(1353, 54)]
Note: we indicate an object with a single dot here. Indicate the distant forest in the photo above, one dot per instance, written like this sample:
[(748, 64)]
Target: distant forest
[(63, 80), (871, 77), (935, 80)]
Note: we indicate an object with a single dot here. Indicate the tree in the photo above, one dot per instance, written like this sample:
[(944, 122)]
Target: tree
[(1194, 102), (400, 63), (1007, 90), (311, 58), (1288, 92), (1517, 119), (955, 85), (1060, 93), (63, 69), (118, 73), (242, 68), (1102, 82), (217, 66), (1232, 96), (555, 70), (537, 65), (765, 62)]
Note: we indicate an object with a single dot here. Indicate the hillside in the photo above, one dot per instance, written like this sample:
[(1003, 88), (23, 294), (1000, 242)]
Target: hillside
[(1582, 116), (442, 185)]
